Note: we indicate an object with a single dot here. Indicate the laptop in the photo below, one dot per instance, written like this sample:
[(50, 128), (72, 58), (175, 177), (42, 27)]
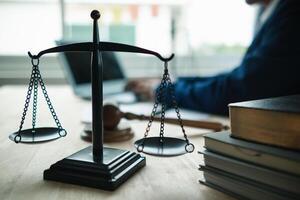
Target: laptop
[(77, 69)]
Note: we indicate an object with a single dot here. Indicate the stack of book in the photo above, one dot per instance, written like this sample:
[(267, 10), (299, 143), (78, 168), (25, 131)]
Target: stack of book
[(260, 157)]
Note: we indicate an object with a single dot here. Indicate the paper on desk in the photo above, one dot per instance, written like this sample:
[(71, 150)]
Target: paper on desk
[(187, 114)]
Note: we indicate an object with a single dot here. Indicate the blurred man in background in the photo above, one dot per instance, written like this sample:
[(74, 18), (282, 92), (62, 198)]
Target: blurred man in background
[(270, 66)]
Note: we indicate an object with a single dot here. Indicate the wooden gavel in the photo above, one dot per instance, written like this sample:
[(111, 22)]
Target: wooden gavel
[(113, 115)]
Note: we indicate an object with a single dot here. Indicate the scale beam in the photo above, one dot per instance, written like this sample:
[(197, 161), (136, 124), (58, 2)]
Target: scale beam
[(102, 46)]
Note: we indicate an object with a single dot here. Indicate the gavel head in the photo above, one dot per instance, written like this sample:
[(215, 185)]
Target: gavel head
[(111, 116)]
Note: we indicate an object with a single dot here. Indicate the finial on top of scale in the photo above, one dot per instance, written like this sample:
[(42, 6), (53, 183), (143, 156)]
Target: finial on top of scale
[(95, 14)]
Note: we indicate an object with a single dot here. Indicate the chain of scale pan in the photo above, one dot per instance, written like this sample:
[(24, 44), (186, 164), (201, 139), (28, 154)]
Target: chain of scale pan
[(36, 79), (18, 137), (153, 113), (189, 146), (165, 84)]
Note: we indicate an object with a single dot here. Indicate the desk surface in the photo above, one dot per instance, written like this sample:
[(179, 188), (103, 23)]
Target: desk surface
[(22, 166)]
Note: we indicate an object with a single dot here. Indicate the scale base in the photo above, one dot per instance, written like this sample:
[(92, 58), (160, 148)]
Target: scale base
[(81, 169)]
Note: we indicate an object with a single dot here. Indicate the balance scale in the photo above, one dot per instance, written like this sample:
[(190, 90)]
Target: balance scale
[(98, 166)]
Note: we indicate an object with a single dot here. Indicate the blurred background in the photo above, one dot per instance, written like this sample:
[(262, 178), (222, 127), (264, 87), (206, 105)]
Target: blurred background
[(207, 36)]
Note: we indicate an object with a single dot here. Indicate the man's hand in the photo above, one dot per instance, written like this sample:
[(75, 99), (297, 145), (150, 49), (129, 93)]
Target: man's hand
[(143, 88)]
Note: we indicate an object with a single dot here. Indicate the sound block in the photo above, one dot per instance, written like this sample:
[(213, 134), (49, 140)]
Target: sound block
[(122, 132), (109, 138), (82, 169)]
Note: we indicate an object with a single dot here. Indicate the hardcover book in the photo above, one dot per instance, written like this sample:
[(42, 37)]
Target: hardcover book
[(273, 121), (242, 188), (283, 181), (268, 156)]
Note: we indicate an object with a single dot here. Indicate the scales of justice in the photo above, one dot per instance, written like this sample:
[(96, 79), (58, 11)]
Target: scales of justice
[(98, 166)]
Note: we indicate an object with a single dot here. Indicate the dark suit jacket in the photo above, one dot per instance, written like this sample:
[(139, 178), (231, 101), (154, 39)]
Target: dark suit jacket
[(270, 67)]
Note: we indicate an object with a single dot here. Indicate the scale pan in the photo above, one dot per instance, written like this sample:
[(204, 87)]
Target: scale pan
[(38, 135), (164, 147)]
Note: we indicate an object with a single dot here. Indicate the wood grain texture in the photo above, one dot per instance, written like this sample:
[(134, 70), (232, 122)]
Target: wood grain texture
[(22, 166)]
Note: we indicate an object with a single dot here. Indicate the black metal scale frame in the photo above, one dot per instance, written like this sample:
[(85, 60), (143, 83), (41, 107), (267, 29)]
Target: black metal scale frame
[(97, 166)]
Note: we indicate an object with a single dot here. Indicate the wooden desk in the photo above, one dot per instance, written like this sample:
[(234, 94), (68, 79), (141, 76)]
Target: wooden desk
[(22, 166)]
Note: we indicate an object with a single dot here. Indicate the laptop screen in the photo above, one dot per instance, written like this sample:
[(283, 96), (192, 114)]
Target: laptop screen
[(79, 66)]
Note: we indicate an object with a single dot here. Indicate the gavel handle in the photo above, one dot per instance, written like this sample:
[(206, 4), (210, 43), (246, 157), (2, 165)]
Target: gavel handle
[(216, 126)]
